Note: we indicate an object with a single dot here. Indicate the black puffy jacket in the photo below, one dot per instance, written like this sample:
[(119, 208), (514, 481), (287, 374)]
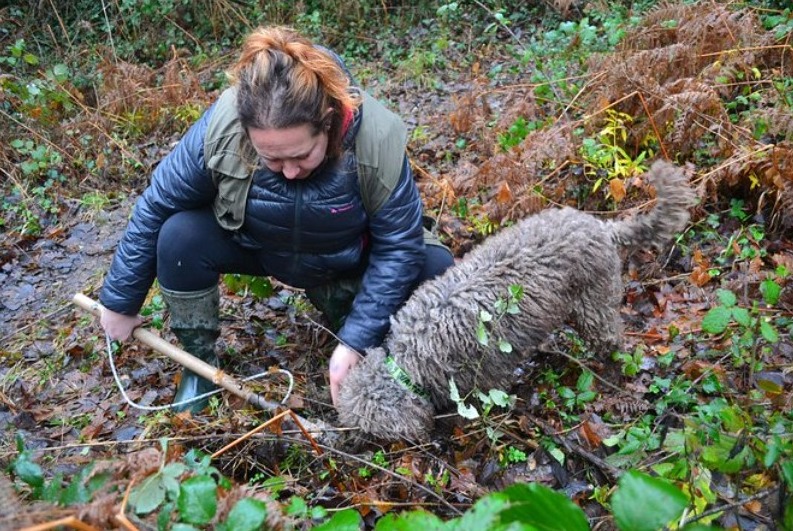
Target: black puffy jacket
[(309, 231)]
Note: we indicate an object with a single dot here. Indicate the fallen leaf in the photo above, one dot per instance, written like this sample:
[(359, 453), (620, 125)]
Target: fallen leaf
[(504, 194), (617, 188)]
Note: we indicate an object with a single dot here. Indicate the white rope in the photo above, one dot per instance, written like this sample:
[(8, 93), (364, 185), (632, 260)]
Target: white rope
[(195, 398)]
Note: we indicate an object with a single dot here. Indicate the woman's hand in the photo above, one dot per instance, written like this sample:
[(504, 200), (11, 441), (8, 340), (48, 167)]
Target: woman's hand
[(119, 326), (341, 361)]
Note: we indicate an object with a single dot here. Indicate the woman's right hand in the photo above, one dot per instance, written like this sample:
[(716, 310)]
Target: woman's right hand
[(119, 326)]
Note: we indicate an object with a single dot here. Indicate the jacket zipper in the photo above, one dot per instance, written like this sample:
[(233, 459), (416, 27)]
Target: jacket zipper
[(296, 231)]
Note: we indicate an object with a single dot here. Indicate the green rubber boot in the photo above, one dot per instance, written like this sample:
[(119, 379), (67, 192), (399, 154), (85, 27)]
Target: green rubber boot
[(334, 299), (195, 322)]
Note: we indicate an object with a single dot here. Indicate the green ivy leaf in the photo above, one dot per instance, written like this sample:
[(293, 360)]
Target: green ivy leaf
[(147, 496), (543, 508), (346, 520), (716, 320), (248, 514), (483, 515), (645, 503), (197, 501)]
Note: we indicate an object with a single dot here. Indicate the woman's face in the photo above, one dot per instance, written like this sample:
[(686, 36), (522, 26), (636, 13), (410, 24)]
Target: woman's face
[(295, 151)]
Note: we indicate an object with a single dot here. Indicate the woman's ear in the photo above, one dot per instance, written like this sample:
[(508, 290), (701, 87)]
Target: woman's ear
[(327, 118)]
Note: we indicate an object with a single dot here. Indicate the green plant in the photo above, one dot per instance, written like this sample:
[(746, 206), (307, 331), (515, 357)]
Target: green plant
[(244, 285), (631, 361), (503, 307), (576, 399), (512, 455), (494, 397), (751, 326), (33, 92), (606, 154), (517, 132), (78, 490), (154, 308)]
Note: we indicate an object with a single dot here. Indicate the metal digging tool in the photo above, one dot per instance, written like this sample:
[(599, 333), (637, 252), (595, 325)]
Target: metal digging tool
[(205, 370)]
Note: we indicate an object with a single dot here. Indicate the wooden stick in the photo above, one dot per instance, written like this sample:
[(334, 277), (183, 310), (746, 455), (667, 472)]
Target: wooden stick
[(69, 521), (200, 367)]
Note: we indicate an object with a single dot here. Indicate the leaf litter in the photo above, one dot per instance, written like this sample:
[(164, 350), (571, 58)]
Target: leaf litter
[(57, 390)]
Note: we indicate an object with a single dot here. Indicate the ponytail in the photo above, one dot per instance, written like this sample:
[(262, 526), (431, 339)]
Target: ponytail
[(285, 81)]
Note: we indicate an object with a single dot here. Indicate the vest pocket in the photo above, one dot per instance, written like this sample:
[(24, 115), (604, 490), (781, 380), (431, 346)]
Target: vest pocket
[(229, 206)]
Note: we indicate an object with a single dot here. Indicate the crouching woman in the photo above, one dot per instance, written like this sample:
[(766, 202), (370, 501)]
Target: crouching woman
[(293, 173)]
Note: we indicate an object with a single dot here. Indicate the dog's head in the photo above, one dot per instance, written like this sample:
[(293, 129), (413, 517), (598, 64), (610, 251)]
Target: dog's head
[(372, 399)]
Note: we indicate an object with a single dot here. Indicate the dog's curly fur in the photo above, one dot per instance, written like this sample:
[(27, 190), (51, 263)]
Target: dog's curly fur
[(569, 266)]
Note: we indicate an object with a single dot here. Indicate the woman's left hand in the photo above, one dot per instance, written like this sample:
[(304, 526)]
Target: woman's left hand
[(341, 361)]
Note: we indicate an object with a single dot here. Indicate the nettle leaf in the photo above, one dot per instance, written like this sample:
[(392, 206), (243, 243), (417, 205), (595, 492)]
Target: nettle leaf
[(769, 332), (727, 297), (197, 501), (716, 320), (741, 316), (645, 503), (248, 514), (346, 520), (771, 291), (543, 508)]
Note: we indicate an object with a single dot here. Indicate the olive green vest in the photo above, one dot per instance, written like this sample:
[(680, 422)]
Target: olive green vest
[(379, 148)]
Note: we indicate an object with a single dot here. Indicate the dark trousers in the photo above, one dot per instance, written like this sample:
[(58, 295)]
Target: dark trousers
[(193, 250)]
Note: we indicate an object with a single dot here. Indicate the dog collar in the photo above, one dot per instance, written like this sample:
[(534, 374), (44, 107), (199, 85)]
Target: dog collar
[(399, 374)]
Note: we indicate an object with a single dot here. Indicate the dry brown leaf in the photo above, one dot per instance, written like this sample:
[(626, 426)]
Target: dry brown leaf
[(617, 189), (590, 435), (504, 194), (699, 276)]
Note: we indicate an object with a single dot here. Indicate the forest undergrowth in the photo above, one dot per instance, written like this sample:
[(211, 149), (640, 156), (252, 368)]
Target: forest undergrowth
[(511, 109)]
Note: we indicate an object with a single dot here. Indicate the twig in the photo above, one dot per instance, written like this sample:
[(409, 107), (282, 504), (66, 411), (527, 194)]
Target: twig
[(586, 85), (652, 123), (109, 32), (385, 471), (583, 366), (613, 472), (62, 25), (120, 517), (727, 507), (69, 521), (253, 432), (730, 162)]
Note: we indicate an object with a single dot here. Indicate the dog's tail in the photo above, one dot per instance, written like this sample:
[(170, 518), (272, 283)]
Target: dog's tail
[(669, 216)]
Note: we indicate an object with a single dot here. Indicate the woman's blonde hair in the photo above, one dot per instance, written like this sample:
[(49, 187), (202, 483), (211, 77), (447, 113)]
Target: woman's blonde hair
[(285, 81)]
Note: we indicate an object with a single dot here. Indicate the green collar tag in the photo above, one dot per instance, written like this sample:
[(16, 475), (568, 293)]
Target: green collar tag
[(399, 374)]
